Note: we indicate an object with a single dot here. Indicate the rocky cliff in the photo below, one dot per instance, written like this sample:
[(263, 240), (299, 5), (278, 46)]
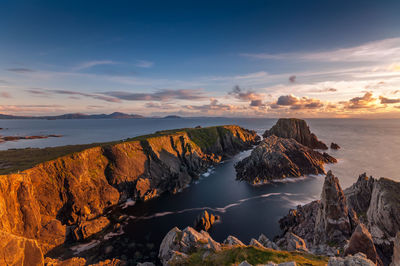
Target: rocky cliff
[(296, 129), (53, 201), (327, 225), (277, 158)]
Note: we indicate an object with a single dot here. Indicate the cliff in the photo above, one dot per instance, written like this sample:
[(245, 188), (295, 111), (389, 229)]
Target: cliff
[(296, 129), (68, 194)]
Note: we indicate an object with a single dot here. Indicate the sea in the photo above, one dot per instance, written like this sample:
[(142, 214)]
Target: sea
[(246, 211)]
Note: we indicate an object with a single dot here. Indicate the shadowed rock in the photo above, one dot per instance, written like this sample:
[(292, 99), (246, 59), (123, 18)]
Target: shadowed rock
[(334, 146), (277, 158), (292, 242), (361, 241), (358, 259), (296, 129), (205, 220), (396, 251)]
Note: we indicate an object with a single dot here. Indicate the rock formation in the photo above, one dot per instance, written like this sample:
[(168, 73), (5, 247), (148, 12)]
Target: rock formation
[(205, 220), (65, 198), (361, 241), (335, 146), (296, 129), (358, 259), (374, 201), (292, 242), (396, 251), (277, 158)]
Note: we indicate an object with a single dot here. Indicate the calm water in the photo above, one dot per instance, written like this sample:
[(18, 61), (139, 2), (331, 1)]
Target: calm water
[(371, 146)]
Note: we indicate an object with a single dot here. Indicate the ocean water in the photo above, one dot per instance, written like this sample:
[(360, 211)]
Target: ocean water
[(371, 146)]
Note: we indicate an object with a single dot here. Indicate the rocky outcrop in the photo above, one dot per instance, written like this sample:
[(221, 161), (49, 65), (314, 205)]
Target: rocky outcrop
[(233, 241), (82, 262), (335, 146), (267, 243), (205, 220), (16, 138), (374, 202), (178, 242), (333, 224), (296, 129), (359, 259), (292, 242), (70, 193), (361, 241), (278, 158), (396, 251)]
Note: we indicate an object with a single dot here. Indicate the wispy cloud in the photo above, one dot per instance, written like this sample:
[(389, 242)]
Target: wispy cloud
[(5, 94), (90, 64), (144, 63), (382, 50), (73, 94), (160, 95), (21, 70)]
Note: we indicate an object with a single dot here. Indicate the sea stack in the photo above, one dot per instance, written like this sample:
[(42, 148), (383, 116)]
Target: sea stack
[(296, 129)]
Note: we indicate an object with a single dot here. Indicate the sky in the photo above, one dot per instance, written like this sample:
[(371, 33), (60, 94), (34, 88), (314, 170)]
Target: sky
[(299, 58)]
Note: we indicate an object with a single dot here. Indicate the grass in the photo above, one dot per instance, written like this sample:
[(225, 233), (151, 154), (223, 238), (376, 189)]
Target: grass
[(15, 160), (254, 256)]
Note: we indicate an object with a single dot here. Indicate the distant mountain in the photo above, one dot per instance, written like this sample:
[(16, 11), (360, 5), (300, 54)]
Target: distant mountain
[(172, 116), (115, 115)]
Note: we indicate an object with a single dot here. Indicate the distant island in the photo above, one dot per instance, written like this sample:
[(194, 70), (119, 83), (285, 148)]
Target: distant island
[(115, 115)]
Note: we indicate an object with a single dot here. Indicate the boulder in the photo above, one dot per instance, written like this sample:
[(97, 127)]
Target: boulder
[(335, 146), (396, 251), (278, 158), (333, 225), (267, 243), (296, 129), (361, 241), (85, 229), (358, 259), (205, 220), (233, 241), (292, 242)]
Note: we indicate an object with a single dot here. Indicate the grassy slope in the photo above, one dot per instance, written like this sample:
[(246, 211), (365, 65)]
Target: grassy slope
[(254, 256), (21, 159)]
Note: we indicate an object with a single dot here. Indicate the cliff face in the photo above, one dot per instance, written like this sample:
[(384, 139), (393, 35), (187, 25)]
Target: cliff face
[(296, 129), (48, 201)]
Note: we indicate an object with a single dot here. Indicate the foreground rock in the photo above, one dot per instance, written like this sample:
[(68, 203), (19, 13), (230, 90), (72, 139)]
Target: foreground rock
[(190, 247), (278, 158), (205, 220), (47, 201), (296, 129), (357, 260), (361, 241), (327, 225)]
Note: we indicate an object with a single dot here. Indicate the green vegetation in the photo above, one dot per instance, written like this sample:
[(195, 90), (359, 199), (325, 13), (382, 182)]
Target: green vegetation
[(14, 160), (252, 255)]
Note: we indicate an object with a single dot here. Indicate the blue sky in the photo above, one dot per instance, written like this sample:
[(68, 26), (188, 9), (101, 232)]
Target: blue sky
[(231, 58)]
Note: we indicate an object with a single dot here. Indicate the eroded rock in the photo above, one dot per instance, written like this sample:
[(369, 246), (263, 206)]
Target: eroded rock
[(292, 242), (205, 220), (358, 259), (86, 229), (335, 146)]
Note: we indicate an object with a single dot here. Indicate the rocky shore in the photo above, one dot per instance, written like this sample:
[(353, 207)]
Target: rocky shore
[(66, 199), (16, 138)]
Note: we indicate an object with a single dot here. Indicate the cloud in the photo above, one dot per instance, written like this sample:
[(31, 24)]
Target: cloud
[(257, 103), (73, 94), (296, 103), (244, 95), (365, 101), (144, 63), (387, 49), (292, 79), (5, 94), (385, 100), (160, 95), (89, 64), (2, 81), (215, 106), (21, 70)]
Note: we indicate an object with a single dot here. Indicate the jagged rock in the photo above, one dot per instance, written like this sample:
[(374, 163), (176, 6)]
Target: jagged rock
[(16, 250), (334, 146), (255, 243), (277, 158), (396, 251), (205, 220), (267, 243), (296, 129), (86, 229), (291, 263), (359, 259), (245, 263), (233, 241), (292, 242), (145, 264), (75, 261), (184, 242), (361, 241), (332, 225)]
